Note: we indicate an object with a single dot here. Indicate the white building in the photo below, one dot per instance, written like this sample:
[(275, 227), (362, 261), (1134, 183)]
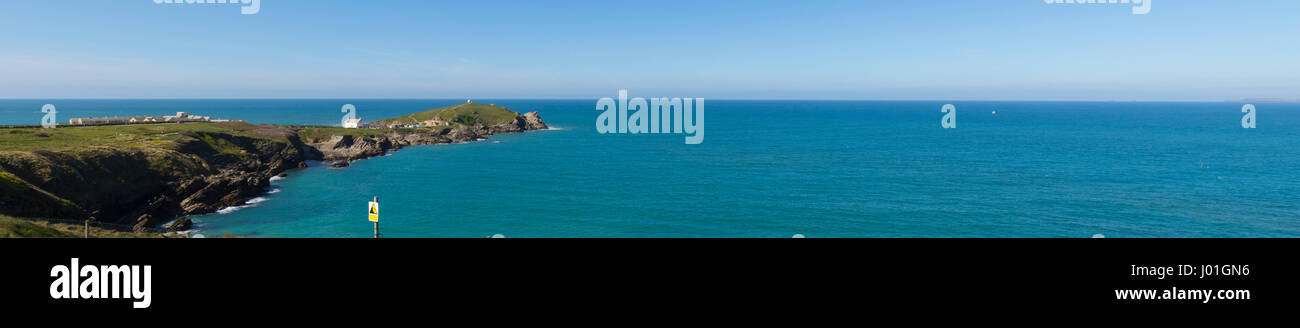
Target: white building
[(352, 123)]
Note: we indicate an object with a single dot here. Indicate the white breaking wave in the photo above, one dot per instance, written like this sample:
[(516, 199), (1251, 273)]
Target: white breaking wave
[(276, 178), (273, 191), (228, 210), (190, 232), (250, 203), (549, 128)]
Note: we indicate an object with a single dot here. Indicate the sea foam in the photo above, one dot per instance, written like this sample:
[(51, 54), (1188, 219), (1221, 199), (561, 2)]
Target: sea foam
[(250, 203)]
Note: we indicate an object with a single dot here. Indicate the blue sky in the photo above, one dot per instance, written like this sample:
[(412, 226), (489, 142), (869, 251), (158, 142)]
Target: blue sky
[(1184, 50)]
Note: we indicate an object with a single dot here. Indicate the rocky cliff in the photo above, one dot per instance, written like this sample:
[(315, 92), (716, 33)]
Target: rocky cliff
[(346, 148), (194, 171), (199, 172)]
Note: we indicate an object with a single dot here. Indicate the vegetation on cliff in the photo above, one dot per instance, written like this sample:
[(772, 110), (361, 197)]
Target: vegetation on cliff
[(141, 175), (138, 174), (460, 123), (160, 136), (17, 197), (319, 133), (466, 114), (18, 228)]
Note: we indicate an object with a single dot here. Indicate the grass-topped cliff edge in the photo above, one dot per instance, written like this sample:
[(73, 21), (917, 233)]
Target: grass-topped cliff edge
[(459, 123), (18, 228), (145, 174), (467, 114), (138, 174)]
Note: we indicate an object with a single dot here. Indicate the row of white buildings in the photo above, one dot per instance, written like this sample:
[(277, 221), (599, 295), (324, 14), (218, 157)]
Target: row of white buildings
[(178, 118)]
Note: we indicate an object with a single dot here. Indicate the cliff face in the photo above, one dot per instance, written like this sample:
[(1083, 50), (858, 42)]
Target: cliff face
[(19, 198), (142, 186), (236, 177), (197, 172)]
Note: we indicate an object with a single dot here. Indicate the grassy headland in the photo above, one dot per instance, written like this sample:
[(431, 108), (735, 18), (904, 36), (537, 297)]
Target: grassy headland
[(463, 114), (140, 175), (138, 135), (316, 133), (135, 174)]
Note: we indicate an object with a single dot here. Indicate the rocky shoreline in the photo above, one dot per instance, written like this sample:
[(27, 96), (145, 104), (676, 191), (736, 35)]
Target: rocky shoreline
[(207, 172), (347, 148)]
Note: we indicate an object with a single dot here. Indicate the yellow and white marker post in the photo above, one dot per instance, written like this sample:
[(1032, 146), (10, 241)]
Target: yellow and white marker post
[(374, 214)]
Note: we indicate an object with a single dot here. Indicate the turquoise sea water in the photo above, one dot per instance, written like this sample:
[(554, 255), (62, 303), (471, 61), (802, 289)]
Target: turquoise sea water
[(779, 168)]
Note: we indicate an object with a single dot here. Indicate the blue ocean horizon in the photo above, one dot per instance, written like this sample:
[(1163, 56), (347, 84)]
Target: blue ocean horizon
[(776, 168)]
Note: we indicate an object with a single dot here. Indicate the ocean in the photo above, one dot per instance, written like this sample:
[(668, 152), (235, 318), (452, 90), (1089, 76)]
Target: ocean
[(780, 168)]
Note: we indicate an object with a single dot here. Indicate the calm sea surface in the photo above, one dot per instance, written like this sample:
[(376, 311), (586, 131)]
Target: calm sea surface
[(779, 168)]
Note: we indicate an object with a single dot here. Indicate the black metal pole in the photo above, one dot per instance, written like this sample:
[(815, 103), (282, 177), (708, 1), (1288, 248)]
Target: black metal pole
[(376, 221)]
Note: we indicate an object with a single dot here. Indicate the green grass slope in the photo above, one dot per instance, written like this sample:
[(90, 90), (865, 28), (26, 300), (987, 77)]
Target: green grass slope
[(137, 135), (321, 133), (17, 197), (66, 172), (463, 114), (18, 228)]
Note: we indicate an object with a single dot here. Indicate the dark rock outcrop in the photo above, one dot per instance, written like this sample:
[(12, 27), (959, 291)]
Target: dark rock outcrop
[(180, 225), (225, 190), (533, 121), (349, 148), (143, 223)]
